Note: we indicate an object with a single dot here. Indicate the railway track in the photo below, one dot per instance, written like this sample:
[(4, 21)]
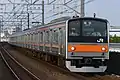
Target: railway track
[(61, 70), (83, 76), (17, 69), (79, 76)]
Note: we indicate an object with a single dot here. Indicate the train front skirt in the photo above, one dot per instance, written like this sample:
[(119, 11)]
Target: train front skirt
[(85, 69)]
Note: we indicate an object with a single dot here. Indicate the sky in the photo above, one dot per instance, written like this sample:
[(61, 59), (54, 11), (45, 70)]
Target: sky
[(108, 9)]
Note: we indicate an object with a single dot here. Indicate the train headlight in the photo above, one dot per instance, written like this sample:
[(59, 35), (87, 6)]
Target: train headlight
[(103, 49), (72, 48)]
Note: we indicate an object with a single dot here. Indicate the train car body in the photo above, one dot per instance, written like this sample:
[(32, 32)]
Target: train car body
[(83, 42), (87, 45)]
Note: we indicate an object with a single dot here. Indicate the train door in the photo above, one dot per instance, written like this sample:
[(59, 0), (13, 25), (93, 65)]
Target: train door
[(44, 40), (55, 46), (50, 48), (37, 40), (60, 41), (47, 36), (41, 41), (30, 41)]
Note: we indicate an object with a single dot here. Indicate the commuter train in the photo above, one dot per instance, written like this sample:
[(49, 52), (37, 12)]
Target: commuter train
[(82, 43)]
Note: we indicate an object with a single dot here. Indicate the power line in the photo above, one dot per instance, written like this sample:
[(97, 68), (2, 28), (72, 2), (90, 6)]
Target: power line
[(70, 9), (52, 3)]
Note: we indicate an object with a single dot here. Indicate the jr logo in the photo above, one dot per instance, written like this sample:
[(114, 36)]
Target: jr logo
[(100, 40)]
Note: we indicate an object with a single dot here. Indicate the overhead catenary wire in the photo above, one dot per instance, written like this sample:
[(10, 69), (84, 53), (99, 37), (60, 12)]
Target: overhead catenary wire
[(69, 9)]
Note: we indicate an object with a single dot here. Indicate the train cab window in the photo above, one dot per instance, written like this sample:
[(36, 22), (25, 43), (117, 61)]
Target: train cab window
[(74, 28), (87, 30), (94, 28)]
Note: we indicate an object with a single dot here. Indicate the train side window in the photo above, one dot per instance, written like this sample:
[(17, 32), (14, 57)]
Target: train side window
[(32, 37), (28, 37), (55, 36), (61, 34), (25, 37), (47, 36), (22, 38), (41, 36), (35, 37), (38, 37)]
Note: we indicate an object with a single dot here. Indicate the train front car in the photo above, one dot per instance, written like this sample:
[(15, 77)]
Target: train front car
[(87, 45)]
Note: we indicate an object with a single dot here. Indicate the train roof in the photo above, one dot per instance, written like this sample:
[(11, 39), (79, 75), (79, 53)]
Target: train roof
[(54, 22), (93, 18)]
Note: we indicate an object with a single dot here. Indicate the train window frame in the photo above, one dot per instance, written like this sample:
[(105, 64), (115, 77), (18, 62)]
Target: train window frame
[(32, 38), (55, 39), (94, 33), (80, 38), (41, 37), (38, 36), (35, 37), (74, 31), (60, 35), (47, 35)]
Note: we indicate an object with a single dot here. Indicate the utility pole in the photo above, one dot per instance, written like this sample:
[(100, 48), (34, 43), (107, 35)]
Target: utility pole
[(42, 12), (21, 25), (28, 16), (28, 19), (82, 8), (0, 29)]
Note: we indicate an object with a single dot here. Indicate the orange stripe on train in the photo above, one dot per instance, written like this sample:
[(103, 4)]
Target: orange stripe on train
[(87, 48)]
